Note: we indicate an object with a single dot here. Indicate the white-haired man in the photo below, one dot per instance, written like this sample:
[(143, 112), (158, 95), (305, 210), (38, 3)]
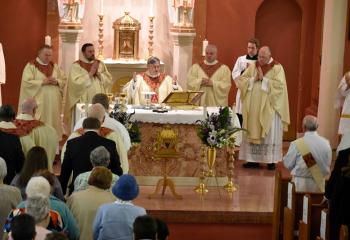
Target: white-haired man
[(265, 111), (211, 77), (99, 157), (309, 158), (41, 134)]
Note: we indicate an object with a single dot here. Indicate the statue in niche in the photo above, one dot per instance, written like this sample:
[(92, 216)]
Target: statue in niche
[(71, 11), (183, 13)]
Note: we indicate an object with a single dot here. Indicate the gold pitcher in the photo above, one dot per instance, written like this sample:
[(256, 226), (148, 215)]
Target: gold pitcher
[(211, 157)]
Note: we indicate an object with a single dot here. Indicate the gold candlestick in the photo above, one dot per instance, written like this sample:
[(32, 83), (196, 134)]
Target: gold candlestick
[(100, 37), (150, 36), (230, 186), (201, 188)]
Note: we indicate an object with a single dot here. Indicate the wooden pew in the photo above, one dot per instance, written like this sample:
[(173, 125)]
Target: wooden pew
[(344, 233), (280, 201), (310, 223), (324, 226), (293, 211)]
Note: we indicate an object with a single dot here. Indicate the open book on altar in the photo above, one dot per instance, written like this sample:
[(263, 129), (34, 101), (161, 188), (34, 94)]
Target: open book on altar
[(183, 99)]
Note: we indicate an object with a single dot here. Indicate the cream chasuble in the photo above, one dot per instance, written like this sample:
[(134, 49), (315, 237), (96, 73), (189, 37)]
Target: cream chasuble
[(161, 85), (265, 113), (111, 135), (220, 74), (82, 88), (48, 97), (262, 99), (43, 135)]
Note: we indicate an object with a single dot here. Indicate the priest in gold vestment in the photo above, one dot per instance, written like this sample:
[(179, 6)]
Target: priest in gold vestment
[(44, 81), (150, 81), (87, 77), (211, 77), (265, 111)]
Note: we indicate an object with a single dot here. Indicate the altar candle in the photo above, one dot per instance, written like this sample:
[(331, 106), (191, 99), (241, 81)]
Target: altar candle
[(204, 112), (101, 8), (205, 44), (48, 40), (151, 9)]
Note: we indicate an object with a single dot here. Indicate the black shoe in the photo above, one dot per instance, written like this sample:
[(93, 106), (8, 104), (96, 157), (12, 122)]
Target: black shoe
[(251, 165), (271, 166)]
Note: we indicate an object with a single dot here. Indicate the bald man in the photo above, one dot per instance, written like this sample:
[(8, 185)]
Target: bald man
[(97, 111), (211, 77), (343, 101), (265, 111), (42, 135), (44, 80), (309, 158)]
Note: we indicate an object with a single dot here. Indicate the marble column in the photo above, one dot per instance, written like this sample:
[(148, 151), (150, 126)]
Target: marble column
[(69, 47), (182, 53), (334, 29)]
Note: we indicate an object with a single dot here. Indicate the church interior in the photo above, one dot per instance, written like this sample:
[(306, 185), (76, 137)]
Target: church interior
[(309, 38)]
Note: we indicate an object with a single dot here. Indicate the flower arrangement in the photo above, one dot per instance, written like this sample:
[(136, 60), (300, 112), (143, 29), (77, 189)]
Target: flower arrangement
[(217, 129), (123, 117)]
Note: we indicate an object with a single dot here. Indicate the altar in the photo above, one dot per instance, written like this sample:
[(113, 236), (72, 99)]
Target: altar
[(142, 161)]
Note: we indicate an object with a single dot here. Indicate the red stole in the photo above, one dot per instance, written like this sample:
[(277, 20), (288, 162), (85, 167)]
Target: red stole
[(210, 69), (86, 66), (27, 125), (154, 84), (267, 67), (103, 131), (44, 69)]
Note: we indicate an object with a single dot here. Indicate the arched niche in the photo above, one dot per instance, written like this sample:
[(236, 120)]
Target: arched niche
[(278, 25)]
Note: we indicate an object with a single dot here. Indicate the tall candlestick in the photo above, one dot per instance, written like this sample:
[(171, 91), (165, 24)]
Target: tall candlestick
[(150, 36), (48, 40), (100, 37), (151, 9), (205, 44), (101, 8)]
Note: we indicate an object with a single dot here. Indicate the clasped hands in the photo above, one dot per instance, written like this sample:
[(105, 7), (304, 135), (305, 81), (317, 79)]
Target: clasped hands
[(259, 75), (50, 81), (207, 82), (94, 70)]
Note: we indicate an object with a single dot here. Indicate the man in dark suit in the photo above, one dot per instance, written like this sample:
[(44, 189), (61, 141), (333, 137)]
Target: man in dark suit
[(11, 152), (77, 154)]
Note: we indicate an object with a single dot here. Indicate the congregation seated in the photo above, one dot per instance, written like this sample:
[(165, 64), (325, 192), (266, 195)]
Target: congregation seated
[(77, 153), (36, 160), (99, 157), (42, 135), (309, 158), (108, 122), (115, 220), (337, 189), (9, 196), (52, 219), (84, 204), (41, 185), (145, 227)]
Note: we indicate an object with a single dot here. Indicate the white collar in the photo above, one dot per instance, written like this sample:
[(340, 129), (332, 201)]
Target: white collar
[(24, 116), (41, 62), (119, 201), (212, 63), (91, 130)]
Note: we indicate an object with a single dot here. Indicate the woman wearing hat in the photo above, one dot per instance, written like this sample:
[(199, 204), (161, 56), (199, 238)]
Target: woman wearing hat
[(115, 220)]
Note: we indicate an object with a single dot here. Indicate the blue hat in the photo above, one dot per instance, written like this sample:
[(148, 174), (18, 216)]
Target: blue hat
[(126, 188)]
